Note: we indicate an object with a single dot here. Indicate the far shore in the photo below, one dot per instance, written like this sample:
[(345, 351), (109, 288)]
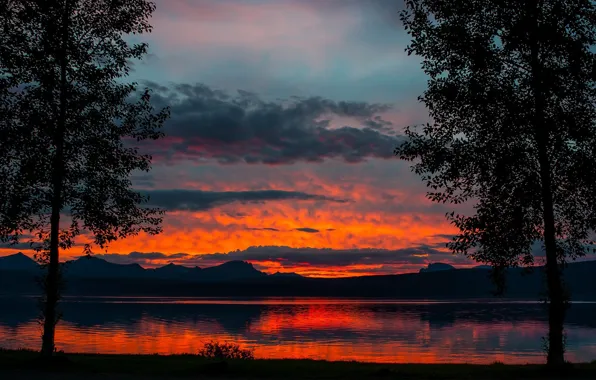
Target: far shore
[(25, 365)]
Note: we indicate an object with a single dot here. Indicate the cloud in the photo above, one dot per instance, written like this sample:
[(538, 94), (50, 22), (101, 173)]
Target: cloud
[(308, 230), (147, 255), (208, 124), (263, 229), (143, 258), (20, 245), (197, 200), (289, 257), (327, 257), (143, 181)]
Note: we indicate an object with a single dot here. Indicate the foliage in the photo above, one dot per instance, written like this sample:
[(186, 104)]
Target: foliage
[(69, 124), (102, 120), (217, 350), (512, 98), (482, 144)]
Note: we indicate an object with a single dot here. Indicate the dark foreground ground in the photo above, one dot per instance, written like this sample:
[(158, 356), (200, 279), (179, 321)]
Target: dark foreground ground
[(24, 365)]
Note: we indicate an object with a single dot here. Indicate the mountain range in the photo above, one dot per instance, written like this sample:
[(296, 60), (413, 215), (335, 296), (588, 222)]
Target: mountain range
[(93, 267), (97, 277)]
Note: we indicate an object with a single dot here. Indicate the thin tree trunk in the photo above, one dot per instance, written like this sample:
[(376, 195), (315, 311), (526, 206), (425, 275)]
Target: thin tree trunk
[(52, 285), (557, 304)]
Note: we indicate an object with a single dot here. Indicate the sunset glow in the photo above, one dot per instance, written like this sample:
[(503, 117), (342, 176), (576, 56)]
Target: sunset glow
[(282, 137)]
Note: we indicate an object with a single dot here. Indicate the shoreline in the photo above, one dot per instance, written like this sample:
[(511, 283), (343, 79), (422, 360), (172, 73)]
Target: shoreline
[(321, 299), (21, 364)]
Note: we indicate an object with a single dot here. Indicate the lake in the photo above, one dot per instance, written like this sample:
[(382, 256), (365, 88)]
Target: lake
[(331, 329)]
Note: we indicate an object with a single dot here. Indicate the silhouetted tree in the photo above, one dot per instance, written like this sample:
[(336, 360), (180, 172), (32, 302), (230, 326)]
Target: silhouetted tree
[(512, 100), (68, 125)]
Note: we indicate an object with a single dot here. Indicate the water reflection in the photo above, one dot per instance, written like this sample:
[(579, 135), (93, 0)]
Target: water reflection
[(320, 329)]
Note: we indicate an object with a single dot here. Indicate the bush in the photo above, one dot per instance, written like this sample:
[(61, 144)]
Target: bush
[(216, 350)]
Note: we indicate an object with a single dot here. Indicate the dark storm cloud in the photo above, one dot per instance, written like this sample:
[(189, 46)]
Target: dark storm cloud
[(324, 257), (141, 257), (301, 229), (377, 123), (178, 255), (447, 237), (26, 242), (147, 255), (22, 245), (211, 124), (197, 200), (308, 230), (145, 180), (411, 257)]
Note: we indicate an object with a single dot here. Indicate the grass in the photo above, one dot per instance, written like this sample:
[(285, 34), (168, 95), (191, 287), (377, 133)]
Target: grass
[(195, 366)]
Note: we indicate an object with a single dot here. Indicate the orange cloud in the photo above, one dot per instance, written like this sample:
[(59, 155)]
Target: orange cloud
[(227, 229), (377, 214)]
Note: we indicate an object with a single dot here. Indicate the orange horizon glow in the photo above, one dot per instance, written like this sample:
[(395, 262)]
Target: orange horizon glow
[(364, 221)]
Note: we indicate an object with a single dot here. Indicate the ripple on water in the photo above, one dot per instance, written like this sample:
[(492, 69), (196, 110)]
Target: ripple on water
[(379, 331)]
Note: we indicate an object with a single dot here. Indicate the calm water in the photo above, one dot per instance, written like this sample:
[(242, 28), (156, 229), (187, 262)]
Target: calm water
[(380, 331)]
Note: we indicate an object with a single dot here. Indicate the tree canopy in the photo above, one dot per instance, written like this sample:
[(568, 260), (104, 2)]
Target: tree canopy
[(69, 124), (512, 100)]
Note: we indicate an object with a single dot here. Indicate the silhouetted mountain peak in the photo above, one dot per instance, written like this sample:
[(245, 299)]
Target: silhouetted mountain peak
[(172, 270), (90, 266), (436, 267), (89, 257), (287, 274), (231, 270), (18, 261), (177, 266), (236, 264)]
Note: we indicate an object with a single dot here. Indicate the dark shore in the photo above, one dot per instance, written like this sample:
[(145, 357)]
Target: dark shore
[(25, 365)]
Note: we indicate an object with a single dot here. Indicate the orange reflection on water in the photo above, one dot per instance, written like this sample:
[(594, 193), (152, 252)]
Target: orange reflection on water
[(333, 331), (317, 317)]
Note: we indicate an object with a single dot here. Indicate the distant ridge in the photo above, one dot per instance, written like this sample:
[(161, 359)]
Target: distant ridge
[(97, 277), (172, 270), (232, 270), (286, 275), (94, 267), (436, 267), (18, 261), (90, 266)]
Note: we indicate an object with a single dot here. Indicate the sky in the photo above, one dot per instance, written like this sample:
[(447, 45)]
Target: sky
[(279, 150)]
